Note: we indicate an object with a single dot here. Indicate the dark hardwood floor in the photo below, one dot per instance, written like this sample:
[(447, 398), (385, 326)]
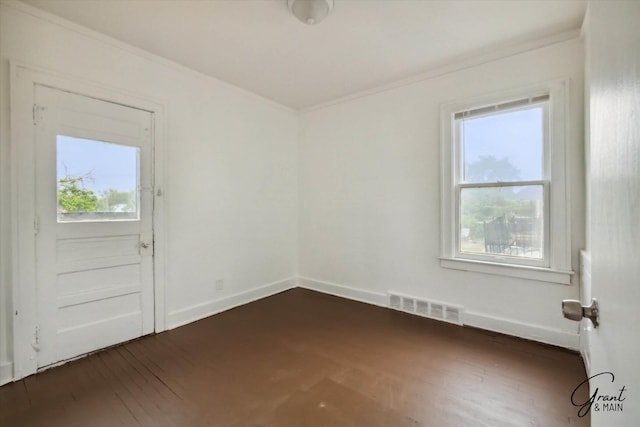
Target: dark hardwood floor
[(302, 358)]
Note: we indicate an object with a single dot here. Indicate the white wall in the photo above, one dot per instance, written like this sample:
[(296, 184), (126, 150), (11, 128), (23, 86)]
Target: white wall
[(370, 200), (231, 194)]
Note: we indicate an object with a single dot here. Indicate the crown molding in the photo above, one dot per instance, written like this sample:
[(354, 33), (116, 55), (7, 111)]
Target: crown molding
[(43, 15), (456, 64)]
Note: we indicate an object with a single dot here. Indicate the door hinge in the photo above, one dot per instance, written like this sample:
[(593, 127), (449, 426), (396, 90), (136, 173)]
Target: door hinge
[(38, 113), (36, 225)]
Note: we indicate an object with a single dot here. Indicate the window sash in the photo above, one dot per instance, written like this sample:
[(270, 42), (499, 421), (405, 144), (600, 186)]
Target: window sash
[(459, 183), (546, 153), (499, 258)]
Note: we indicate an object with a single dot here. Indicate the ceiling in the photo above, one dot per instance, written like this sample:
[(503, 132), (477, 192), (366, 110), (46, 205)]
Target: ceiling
[(260, 46)]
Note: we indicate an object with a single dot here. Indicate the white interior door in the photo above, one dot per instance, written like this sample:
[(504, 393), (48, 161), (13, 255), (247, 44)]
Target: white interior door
[(614, 210), (94, 243)]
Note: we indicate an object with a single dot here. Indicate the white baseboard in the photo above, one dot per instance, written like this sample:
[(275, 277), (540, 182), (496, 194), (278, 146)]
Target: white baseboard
[(348, 292), (479, 320), (6, 372), (523, 330), (200, 311)]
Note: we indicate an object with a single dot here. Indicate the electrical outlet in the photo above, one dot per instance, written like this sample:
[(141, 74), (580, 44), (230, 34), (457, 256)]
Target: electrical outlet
[(219, 284)]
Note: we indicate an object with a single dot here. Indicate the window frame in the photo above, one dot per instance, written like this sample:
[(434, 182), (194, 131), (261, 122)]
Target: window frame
[(100, 216), (555, 266)]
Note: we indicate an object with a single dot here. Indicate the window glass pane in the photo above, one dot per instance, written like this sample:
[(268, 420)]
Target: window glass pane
[(506, 221), (97, 181), (506, 146)]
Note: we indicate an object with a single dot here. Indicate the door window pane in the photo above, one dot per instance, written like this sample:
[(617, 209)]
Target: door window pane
[(97, 181), (505, 221), (504, 147)]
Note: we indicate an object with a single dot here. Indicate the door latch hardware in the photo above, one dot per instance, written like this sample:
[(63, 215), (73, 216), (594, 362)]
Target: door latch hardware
[(574, 310)]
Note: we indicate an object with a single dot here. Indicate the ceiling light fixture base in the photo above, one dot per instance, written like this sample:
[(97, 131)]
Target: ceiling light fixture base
[(310, 12)]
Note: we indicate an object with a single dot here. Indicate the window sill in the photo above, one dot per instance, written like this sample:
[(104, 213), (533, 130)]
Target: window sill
[(540, 274)]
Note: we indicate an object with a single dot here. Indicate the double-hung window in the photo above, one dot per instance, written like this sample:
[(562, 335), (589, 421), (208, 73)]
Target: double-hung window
[(504, 204)]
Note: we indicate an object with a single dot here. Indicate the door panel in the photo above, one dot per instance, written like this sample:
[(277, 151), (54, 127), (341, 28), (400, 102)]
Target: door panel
[(614, 181), (94, 204)]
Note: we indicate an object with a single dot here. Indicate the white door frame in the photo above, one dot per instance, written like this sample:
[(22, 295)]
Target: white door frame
[(23, 78)]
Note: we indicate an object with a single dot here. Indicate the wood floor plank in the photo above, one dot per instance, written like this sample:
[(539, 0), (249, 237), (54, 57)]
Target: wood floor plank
[(301, 358)]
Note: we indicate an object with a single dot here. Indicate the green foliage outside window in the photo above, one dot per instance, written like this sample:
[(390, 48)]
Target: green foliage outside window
[(73, 197), (117, 201)]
